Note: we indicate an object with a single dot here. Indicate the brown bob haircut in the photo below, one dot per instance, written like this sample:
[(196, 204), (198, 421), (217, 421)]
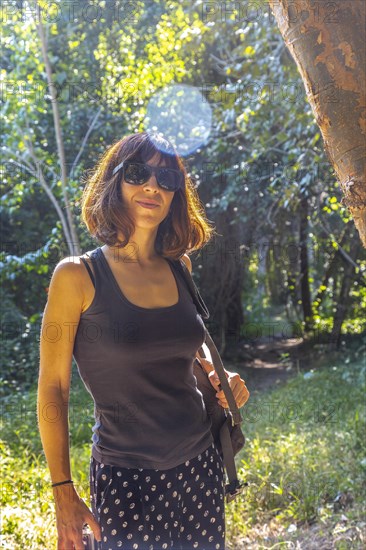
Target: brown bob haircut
[(184, 229)]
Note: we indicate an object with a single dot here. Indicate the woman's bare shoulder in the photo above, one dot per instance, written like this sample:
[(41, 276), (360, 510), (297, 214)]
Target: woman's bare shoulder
[(72, 265), (187, 261), (71, 273)]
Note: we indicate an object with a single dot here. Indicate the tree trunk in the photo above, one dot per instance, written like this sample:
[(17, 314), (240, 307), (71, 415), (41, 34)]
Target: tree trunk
[(290, 263), (74, 246), (304, 265), (327, 42), (223, 275), (330, 268), (342, 301), (274, 275), (231, 283)]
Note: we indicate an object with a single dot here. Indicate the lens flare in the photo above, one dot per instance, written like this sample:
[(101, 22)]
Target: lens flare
[(181, 114)]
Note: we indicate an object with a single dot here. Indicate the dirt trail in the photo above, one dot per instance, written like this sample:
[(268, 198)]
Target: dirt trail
[(263, 363), (272, 361)]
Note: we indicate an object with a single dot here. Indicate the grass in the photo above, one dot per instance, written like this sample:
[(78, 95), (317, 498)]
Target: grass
[(305, 449), (305, 452)]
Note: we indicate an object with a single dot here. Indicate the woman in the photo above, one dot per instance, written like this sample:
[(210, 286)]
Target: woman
[(125, 314)]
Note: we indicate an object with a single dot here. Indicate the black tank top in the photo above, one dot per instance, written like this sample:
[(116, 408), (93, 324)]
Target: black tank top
[(137, 364)]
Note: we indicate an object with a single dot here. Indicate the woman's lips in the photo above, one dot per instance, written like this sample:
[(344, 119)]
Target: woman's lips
[(147, 205)]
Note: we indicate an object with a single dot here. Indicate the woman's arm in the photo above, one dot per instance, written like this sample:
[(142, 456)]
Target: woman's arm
[(60, 319), (59, 324)]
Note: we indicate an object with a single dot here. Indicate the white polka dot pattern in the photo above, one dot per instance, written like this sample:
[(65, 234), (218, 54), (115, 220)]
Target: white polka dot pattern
[(180, 508)]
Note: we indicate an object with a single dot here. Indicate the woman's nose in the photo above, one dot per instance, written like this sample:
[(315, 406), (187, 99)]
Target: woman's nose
[(152, 182)]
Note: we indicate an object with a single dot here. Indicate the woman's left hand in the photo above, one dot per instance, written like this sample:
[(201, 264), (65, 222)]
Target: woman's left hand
[(237, 386)]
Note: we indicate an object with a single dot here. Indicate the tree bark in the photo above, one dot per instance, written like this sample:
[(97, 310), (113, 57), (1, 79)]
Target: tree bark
[(327, 42)]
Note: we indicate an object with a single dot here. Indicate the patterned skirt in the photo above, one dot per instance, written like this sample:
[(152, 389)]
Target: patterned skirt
[(179, 508)]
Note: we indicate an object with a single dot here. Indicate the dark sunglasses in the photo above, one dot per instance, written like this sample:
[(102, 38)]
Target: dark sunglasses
[(138, 173)]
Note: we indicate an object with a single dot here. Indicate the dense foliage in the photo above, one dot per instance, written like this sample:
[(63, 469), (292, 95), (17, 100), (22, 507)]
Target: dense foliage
[(286, 247), (287, 260)]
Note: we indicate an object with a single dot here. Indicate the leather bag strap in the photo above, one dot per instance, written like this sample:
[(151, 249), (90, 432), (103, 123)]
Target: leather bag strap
[(216, 359), (234, 486)]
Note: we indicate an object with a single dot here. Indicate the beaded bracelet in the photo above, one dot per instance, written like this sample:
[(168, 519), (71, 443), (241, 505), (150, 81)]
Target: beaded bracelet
[(62, 482)]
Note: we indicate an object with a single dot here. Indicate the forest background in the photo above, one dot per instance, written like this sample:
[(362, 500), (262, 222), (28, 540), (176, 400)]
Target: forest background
[(286, 271)]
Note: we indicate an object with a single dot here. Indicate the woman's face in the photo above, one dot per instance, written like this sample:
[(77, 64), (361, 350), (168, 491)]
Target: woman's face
[(132, 195)]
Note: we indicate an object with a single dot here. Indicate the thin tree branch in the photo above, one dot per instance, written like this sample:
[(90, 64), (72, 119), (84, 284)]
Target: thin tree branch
[(85, 140), (47, 189), (346, 256)]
